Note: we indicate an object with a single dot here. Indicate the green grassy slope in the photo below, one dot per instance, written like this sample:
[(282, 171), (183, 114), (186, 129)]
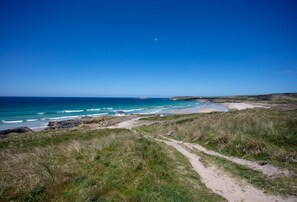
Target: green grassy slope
[(95, 165), (255, 134)]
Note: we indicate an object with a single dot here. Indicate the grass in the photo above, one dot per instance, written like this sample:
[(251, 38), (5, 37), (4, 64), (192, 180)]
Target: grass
[(87, 164), (95, 165), (104, 121), (256, 134), (52, 137)]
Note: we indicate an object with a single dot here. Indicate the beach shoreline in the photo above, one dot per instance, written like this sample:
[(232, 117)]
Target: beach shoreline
[(221, 107), (208, 107), (38, 112)]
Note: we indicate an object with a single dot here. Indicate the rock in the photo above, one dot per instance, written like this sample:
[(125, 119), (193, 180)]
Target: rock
[(120, 113), (16, 130), (262, 163), (87, 117), (172, 133), (64, 124)]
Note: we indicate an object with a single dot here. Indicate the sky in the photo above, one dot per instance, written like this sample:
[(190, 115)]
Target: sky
[(154, 48)]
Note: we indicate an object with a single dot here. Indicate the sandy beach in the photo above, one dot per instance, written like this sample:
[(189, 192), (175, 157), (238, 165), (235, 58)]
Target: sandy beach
[(206, 108), (220, 107), (241, 106)]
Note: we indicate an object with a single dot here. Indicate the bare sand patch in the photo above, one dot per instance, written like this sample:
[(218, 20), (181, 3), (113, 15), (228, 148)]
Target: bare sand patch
[(126, 124), (241, 106)]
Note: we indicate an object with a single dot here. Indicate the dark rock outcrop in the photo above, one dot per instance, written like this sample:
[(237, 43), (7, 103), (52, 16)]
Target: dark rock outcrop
[(16, 130), (262, 163), (64, 124)]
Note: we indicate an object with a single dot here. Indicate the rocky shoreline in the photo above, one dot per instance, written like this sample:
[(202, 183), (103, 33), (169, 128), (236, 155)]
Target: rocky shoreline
[(52, 125), (95, 122), (16, 130)]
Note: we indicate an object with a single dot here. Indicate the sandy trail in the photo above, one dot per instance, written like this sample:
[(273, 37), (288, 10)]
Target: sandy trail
[(268, 169), (221, 183), (213, 178), (126, 124)]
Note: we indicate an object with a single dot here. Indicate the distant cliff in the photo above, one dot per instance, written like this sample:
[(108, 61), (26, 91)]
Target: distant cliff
[(272, 98)]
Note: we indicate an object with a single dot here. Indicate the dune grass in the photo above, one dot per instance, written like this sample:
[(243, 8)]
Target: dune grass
[(256, 134), (104, 121), (124, 165), (95, 165), (53, 137)]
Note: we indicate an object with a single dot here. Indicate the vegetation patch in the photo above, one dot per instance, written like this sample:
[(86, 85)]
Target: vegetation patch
[(256, 134), (94, 165)]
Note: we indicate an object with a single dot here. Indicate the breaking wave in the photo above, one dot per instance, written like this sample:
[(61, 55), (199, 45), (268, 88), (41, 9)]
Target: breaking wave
[(71, 111), (16, 121)]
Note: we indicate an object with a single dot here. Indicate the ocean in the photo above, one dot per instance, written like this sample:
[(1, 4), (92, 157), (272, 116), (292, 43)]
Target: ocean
[(36, 112)]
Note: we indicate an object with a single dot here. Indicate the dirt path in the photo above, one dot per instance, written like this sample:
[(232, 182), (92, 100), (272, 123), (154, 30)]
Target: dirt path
[(221, 183), (126, 124), (214, 178), (267, 169)]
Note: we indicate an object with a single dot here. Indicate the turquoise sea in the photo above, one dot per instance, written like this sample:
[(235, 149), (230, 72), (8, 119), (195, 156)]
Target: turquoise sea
[(36, 112)]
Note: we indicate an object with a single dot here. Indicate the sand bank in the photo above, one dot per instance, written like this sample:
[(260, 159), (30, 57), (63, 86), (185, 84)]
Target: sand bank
[(219, 107), (241, 106), (205, 108)]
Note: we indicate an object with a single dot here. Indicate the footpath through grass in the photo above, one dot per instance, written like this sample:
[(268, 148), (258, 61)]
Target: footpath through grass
[(256, 134), (95, 165)]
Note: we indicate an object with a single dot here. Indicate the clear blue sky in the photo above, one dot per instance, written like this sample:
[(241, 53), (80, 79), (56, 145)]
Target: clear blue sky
[(153, 48)]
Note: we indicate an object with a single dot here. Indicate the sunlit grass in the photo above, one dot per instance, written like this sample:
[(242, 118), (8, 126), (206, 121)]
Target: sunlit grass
[(257, 134), (94, 165)]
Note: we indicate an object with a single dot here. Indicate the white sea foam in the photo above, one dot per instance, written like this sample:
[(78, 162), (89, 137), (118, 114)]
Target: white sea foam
[(58, 118), (40, 113), (131, 110), (16, 121), (94, 110), (30, 120), (120, 114), (71, 111), (127, 110), (151, 112), (99, 109), (63, 117)]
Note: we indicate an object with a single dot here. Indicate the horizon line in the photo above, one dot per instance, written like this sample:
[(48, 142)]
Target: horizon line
[(32, 96)]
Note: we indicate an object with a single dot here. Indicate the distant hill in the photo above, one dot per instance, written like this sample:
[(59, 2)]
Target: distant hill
[(271, 98)]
